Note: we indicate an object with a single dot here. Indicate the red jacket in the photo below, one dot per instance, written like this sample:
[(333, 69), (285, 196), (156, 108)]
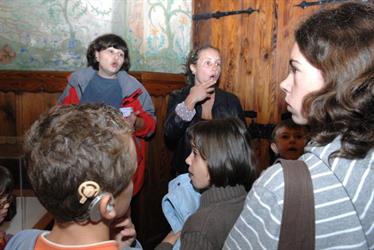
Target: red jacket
[(135, 96)]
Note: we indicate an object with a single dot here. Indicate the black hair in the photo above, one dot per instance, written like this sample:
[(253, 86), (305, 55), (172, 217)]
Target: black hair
[(106, 41), (225, 145)]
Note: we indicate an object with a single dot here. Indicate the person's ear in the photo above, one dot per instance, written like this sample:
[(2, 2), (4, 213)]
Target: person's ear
[(106, 207), (193, 68), (274, 147), (97, 55)]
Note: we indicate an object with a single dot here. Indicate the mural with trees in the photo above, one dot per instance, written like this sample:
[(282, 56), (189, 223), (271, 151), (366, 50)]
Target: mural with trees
[(54, 34)]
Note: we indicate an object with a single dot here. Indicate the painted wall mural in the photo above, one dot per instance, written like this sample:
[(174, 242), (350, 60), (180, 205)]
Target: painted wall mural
[(54, 34)]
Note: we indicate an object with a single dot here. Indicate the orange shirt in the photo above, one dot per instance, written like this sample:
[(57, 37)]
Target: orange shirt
[(43, 243)]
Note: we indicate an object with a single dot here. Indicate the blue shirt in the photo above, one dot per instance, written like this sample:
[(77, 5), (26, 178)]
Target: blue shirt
[(103, 90)]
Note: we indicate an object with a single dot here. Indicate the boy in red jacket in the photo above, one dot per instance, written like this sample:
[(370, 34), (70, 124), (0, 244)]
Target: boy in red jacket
[(106, 80)]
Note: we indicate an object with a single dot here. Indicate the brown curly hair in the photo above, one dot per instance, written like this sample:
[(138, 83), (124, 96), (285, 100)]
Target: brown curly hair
[(71, 144), (340, 43)]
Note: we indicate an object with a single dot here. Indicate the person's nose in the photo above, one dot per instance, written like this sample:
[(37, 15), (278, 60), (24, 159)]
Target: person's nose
[(188, 159), (285, 85), (292, 140), (216, 67), (5, 208)]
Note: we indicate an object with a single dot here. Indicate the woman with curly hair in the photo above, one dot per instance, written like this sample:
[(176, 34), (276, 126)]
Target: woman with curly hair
[(330, 87)]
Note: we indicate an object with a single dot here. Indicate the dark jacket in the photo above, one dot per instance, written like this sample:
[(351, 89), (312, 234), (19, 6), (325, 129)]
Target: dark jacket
[(209, 227), (225, 105)]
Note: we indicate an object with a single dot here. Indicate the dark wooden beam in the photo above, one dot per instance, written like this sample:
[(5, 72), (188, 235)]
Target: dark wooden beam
[(157, 84)]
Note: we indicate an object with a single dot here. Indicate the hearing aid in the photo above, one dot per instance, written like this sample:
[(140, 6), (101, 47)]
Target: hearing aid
[(109, 207), (90, 189), (94, 207)]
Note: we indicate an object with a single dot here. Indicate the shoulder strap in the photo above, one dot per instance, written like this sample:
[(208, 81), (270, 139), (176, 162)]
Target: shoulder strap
[(298, 224)]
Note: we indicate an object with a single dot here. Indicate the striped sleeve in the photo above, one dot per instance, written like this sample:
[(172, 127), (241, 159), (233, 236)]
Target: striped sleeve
[(343, 198), (259, 223)]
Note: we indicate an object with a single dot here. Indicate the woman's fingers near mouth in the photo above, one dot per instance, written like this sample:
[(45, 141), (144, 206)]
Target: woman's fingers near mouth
[(210, 90), (212, 82)]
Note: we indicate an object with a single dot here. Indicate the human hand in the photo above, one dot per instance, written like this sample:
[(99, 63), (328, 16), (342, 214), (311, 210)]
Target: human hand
[(200, 92), (131, 119), (4, 206), (172, 237), (123, 231)]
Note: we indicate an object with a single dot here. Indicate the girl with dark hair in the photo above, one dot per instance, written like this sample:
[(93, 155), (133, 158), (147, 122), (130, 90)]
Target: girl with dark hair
[(200, 100), (106, 80), (331, 88), (221, 167)]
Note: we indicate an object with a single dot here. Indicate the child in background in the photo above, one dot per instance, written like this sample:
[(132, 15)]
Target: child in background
[(6, 190), (221, 168), (289, 139), (106, 80), (80, 163)]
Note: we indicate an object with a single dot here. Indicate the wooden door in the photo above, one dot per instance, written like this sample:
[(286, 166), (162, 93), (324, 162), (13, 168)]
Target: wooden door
[(255, 52)]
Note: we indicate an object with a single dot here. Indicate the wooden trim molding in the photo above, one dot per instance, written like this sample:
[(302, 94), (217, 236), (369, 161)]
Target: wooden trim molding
[(157, 84), (44, 222), (33, 81)]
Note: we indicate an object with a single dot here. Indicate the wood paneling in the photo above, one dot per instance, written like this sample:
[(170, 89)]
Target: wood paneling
[(33, 81), (147, 213), (24, 95), (289, 17), (7, 115), (255, 51)]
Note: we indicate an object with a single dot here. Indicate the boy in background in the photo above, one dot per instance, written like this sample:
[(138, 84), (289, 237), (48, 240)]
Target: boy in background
[(289, 140), (80, 163)]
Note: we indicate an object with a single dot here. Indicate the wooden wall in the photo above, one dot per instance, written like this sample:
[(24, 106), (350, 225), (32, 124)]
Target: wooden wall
[(255, 51), (24, 95)]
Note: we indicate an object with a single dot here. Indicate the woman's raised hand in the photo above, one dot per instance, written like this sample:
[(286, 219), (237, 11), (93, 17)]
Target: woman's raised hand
[(199, 93)]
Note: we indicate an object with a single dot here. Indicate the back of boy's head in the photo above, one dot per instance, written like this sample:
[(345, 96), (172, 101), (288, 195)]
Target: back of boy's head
[(106, 41), (288, 123), (225, 145), (6, 182), (69, 145)]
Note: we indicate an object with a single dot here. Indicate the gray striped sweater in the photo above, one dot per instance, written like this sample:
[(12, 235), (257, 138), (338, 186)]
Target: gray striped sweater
[(343, 197)]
